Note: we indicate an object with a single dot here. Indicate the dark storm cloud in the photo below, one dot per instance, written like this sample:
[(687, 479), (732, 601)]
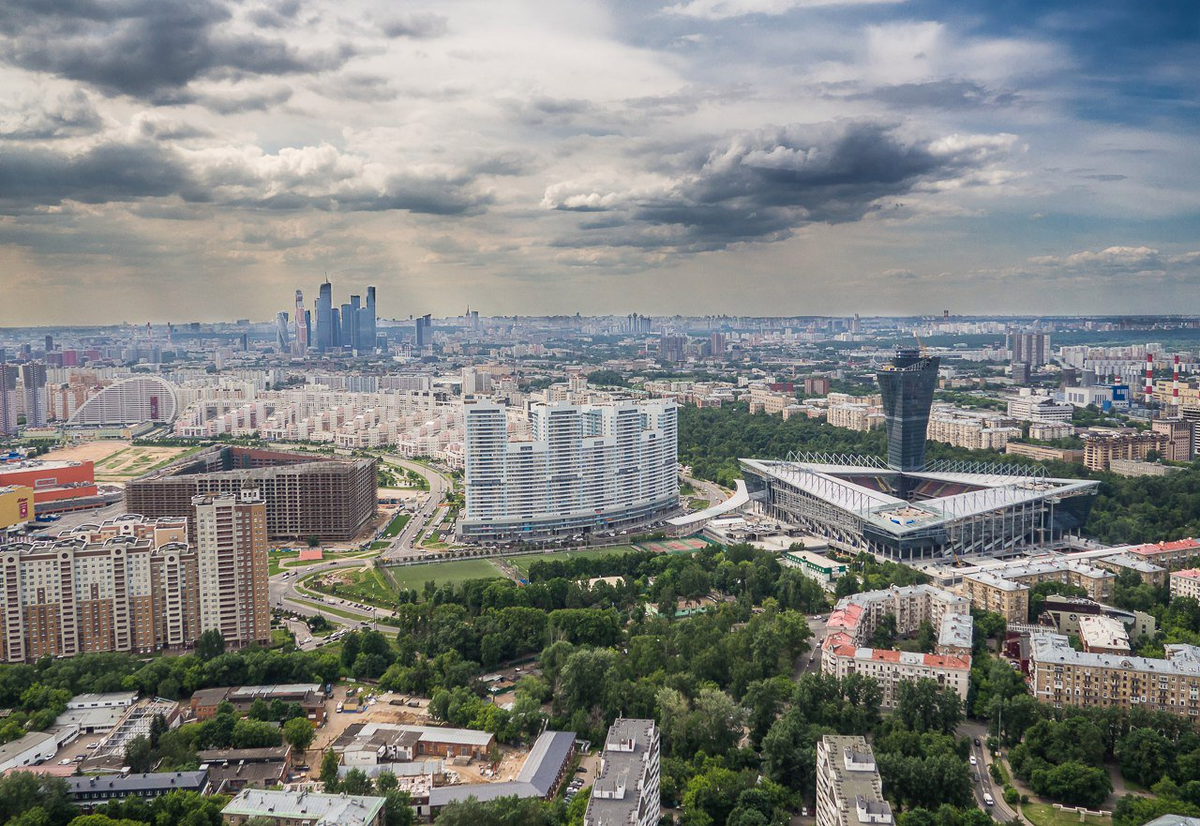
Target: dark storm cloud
[(762, 185), (312, 178), (112, 172), (278, 15), (939, 94), (70, 115), (150, 49), (363, 87), (232, 104), (415, 26)]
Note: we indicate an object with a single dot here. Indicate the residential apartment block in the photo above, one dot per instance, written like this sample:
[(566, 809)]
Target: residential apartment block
[(1062, 676), (1186, 583), (1099, 449), (587, 469), (1004, 589), (970, 428), (849, 791), (304, 808), (626, 789), (855, 618), (126, 593)]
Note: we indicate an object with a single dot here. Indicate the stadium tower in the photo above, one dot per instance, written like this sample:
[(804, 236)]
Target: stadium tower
[(907, 386)]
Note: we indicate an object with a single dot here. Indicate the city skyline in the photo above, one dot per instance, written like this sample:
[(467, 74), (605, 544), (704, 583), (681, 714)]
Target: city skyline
[(705, 156)]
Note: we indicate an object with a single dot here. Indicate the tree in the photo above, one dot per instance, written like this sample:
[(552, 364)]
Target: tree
[(299, 732), (922, 705), (210, 644), (847, 585), (1145, 755), (139, 755), (314, 541), (329, 770)]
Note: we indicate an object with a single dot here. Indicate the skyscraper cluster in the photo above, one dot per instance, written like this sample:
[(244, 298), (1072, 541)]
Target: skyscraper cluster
[(349, 328)]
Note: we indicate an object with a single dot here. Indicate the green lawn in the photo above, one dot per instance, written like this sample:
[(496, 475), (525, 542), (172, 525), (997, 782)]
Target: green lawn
[(397, 524), (443, 573), (522, 562), (1043, 814), (276, 560), (367, 586)]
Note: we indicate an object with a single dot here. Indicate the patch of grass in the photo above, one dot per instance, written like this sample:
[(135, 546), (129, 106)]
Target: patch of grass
[(443, 573), (365, 585), (397, 524), (275, 562), (522, 562), (1043, 814)]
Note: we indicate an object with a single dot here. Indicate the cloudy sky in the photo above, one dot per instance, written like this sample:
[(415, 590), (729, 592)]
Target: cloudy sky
[(201, 159)]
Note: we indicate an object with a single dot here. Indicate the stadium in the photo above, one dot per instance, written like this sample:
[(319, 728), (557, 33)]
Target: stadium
[(904, 509)]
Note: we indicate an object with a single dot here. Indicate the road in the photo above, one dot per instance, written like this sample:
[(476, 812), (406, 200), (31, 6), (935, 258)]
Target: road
[(811, 660), (999, 810), (282, 587), (707, 490)]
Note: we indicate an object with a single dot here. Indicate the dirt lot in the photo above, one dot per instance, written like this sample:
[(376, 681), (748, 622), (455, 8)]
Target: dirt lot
[(117, 461)]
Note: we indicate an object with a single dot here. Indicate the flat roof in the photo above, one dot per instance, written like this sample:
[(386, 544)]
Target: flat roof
[(15, 748), (323, 809), (154, 781)]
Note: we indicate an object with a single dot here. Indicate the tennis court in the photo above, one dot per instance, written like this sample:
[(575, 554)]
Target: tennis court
[(686, 544)]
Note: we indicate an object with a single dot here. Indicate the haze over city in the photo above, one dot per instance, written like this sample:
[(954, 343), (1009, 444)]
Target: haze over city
[(176, 160)]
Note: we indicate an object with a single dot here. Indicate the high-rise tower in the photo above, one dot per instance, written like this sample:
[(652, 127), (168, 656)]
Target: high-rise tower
[(33, 378), (907, 386), (8, 396), (300, 342), (325, 336), (231, 551)]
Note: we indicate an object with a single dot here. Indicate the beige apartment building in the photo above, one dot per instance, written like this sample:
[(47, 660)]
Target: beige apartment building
[(1062, 676), (1186, 583), (128, 594), (1099, 449), (989, 592), (849, 791), (67, 598)]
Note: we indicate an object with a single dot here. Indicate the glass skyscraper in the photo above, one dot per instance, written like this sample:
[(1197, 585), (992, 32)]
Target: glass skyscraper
[(907, 387)]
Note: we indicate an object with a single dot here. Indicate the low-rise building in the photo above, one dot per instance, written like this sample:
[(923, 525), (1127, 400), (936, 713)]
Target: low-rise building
[(364, 744), (231, 770), (1186, 583), (89, 791), (308, 696), (818, 567), (1149, 573), (34, 748), (1044, 453), (626, 789), (1063, 614), (890, 668), (304, 808), (849, 791), (1103, 635), (1167, 554)]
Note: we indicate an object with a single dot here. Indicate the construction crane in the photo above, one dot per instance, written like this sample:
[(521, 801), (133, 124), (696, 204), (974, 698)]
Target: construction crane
[(920, 346)]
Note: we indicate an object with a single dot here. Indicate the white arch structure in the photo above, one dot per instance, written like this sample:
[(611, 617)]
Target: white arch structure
[(129, 401)]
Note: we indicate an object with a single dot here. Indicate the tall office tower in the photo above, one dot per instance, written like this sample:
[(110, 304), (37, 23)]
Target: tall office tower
[(308, 329), (300, 343), (351, 318), (907, 387), (336, 341), (346, 326), (8, 397), (1030, 348), (849, 791), (231, 558), (589, 469), (49, 343), (716, 344), (424, 331), (325, 322), (370, 331), (627, 786), (33, 377), (281, 331)]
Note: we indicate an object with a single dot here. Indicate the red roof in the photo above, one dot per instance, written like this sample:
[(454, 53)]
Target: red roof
[(1151, 548)]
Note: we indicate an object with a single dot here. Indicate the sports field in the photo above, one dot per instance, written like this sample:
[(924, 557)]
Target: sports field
[(443, 573), (674, 546), (521, 563)]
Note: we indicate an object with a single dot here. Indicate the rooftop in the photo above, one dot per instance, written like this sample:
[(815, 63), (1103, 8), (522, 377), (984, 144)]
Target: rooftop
[(319, 809)]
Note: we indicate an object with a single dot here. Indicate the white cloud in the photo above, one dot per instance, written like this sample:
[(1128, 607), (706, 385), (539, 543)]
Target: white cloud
[(725, 9)]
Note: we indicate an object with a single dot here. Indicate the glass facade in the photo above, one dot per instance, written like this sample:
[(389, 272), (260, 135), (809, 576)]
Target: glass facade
[(907, 387)]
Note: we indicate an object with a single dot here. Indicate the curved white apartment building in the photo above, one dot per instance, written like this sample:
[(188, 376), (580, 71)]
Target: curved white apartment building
[(129, 401), (588, 469)]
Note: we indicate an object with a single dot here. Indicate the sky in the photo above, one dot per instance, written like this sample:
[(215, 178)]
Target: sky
[(177, 160)]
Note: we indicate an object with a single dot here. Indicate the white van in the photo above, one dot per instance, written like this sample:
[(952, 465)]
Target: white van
[(987, 799)]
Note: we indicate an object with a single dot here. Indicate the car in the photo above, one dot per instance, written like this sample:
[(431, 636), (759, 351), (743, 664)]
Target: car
[(974, 760), (66, 761), (975, 776), (339, 708), (988, 800), (977, 742), (580, 769)]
